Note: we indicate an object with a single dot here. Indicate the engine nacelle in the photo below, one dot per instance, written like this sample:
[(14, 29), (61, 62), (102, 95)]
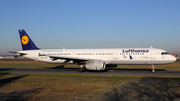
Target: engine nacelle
[(95, 65)]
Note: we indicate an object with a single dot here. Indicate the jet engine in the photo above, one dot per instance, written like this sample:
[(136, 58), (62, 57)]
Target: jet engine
[(95, 65)]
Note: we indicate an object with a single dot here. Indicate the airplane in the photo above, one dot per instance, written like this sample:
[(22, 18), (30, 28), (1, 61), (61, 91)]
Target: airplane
[(94, 59)]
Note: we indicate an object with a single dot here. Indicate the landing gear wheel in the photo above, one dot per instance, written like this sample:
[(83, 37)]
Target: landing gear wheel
[(80, 70), (153, 68), (83, 69)]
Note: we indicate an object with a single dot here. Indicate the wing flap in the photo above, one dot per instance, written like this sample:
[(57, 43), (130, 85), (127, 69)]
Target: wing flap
[(69, 58)]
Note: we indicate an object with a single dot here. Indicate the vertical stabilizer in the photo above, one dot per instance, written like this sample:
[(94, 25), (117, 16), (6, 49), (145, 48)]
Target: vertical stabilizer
[(26, 42)]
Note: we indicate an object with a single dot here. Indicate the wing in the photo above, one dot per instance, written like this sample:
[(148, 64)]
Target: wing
[(76, 60)]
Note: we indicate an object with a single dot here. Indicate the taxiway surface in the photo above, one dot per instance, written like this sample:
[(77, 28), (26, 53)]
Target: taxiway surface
[(130, 72)]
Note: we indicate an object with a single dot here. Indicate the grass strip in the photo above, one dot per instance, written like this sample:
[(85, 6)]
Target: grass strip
[(29, 86)]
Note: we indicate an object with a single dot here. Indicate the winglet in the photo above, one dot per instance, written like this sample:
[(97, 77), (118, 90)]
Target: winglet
[(26, 42)]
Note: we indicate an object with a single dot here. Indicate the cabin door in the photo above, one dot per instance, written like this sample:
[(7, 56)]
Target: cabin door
[(36, 55), (115, 55), (74, 54), (153, 54)]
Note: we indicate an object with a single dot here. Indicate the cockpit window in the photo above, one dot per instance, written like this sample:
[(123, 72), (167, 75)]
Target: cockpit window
[(164, 53)]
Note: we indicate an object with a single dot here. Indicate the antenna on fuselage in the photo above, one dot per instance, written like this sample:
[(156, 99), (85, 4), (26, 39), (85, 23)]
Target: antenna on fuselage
[(151, 46)]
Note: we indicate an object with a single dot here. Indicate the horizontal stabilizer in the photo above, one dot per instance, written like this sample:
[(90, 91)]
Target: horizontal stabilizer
[(18, 53)]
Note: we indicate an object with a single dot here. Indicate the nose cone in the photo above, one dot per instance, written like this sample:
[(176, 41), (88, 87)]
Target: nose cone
[(173, 59)]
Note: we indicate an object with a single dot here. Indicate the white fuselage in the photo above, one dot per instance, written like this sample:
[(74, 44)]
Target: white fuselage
[(109, 56)]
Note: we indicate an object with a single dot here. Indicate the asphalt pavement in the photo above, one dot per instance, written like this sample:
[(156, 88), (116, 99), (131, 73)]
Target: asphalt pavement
[(130, 72)]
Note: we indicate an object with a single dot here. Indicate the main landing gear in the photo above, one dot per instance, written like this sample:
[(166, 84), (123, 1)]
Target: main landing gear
[(82, 69), (153, 68)]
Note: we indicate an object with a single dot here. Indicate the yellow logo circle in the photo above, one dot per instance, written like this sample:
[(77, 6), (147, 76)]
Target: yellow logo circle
[(25, 40)]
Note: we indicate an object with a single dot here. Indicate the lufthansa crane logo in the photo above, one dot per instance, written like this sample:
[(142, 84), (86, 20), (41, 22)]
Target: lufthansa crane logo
[(25, 40)]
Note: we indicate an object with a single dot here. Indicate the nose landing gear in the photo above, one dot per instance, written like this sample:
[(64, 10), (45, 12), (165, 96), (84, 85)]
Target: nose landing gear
[(153, 68)]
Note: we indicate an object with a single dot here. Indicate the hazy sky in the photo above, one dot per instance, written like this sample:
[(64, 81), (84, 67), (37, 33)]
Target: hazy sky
[(91, 23)]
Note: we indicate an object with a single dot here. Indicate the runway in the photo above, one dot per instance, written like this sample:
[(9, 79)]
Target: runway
[(130, 72)]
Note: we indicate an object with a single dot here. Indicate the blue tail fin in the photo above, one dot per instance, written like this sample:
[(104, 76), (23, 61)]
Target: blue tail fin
[(26, 42)]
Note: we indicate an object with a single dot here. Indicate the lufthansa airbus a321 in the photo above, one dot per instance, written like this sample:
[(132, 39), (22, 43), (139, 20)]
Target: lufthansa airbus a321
[(94, 59)]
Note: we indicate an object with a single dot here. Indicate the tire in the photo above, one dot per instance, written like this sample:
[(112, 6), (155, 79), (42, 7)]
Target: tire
[(80, 70)]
